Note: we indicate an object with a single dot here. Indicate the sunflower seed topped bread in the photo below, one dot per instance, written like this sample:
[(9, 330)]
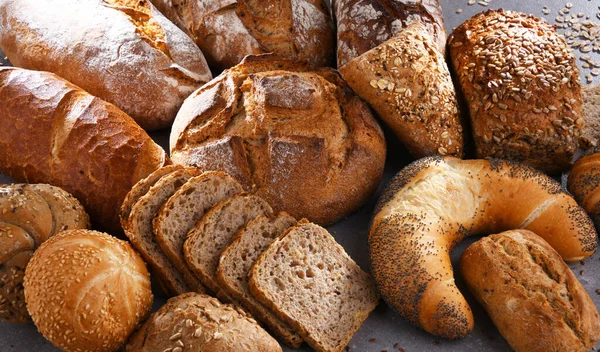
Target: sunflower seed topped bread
[(141, 232), (29, 215), (302, 140), (434, 203), (184, 209), (591, 113), (198, 323), (227, 30), (521, 83), (311, 283), (123, 51), (532, 296), (238, 258)]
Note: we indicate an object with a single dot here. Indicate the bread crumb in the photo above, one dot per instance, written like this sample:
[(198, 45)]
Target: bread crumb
[(372, 340)]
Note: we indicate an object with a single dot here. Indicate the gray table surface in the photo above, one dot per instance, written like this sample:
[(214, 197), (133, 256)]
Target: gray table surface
[(384, 330)]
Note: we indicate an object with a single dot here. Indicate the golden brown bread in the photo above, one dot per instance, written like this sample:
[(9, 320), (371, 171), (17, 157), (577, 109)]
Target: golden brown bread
[(123, 51), (53, 132), (227, 30), (584, 183), (521, 83), (435, 202), (87, 291), (301, 139), (532, 296)]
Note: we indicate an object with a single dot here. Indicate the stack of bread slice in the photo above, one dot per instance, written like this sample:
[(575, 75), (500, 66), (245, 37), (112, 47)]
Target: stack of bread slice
[(200, 232)]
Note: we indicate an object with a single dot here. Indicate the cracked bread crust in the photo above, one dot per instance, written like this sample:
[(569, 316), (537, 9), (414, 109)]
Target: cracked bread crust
[(532, 296), (300, 139)]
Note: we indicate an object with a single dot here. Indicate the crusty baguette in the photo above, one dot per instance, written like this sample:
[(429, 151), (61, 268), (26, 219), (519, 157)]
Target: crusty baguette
[(532, 296), (122, 51), (591, 113), (53, 132)]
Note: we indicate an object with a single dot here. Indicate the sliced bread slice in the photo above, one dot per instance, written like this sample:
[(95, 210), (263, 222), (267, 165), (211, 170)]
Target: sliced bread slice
[(140, 231), (214, 232), (310, 282), (185, 208), (237, 260), (591, 114)]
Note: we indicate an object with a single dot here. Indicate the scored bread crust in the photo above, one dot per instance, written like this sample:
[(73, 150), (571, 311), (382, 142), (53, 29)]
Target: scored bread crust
[(521, 82), (532, 296), (434, 203), (301, 139), (123, 51)]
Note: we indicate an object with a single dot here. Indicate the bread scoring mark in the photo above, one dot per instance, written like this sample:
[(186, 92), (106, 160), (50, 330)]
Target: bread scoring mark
[(537, 212)]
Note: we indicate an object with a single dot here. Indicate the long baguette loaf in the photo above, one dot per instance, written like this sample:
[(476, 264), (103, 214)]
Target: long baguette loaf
[(123, 51), (53, 132)]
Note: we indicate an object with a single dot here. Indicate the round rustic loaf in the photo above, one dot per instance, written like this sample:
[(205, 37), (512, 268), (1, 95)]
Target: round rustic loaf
[(87, 291), (300, 139), (584, 183), (29, 215), (521, 83), (434, 203), (227, 31), (199, 323)]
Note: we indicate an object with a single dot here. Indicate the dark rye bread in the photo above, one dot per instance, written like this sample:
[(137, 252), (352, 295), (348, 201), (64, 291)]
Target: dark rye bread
[(184, 209), (214, 232), (237, 260), (591, 114), (310, 282), (141, 234)]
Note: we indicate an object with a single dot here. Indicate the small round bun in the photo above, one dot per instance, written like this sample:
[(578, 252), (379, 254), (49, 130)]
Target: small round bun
[(87, 291)]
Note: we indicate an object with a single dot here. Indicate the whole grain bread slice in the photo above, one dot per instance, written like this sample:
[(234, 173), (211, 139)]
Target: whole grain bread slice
[(591, 114), (141, 234), (238, 258), (185, 208), (308, 279), (214, 232)]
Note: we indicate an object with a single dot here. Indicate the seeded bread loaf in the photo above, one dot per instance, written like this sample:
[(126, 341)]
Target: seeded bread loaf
[(227, 30), (200, 323), (302, 140), (532, 296), (521, 83), (122, 51), (591, 113), (311, 283), (29, 215), (141, 232), (53, 132), (184, 209), (238, 258)]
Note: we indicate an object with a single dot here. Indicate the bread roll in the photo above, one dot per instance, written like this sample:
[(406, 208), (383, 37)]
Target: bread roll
[(433, 203), (228, 30), (591, 114), (301, 139), (29, 215), (521, 83), (532, 296), (584, 183), (123, 51), (198, 323), (53, 132), (87, 291)]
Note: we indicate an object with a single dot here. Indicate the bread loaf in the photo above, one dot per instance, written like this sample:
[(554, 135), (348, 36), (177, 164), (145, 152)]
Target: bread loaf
[(521, 83), (364, 24), (29, 215), (200, 323), (532, 296), (591, 113), (435, 202), (96, 301), (123, 51), (228, 30), (584, 183), (301, 140), (52, 131)]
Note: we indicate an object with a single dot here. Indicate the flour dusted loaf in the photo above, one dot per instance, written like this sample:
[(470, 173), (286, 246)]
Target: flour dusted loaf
[(591, 113), (300, 139), (228, 30), (521, 83), (29, 215), (199, 323), (53, 132), (123, 51), (87, 291), (434, 203), (532, 296)]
